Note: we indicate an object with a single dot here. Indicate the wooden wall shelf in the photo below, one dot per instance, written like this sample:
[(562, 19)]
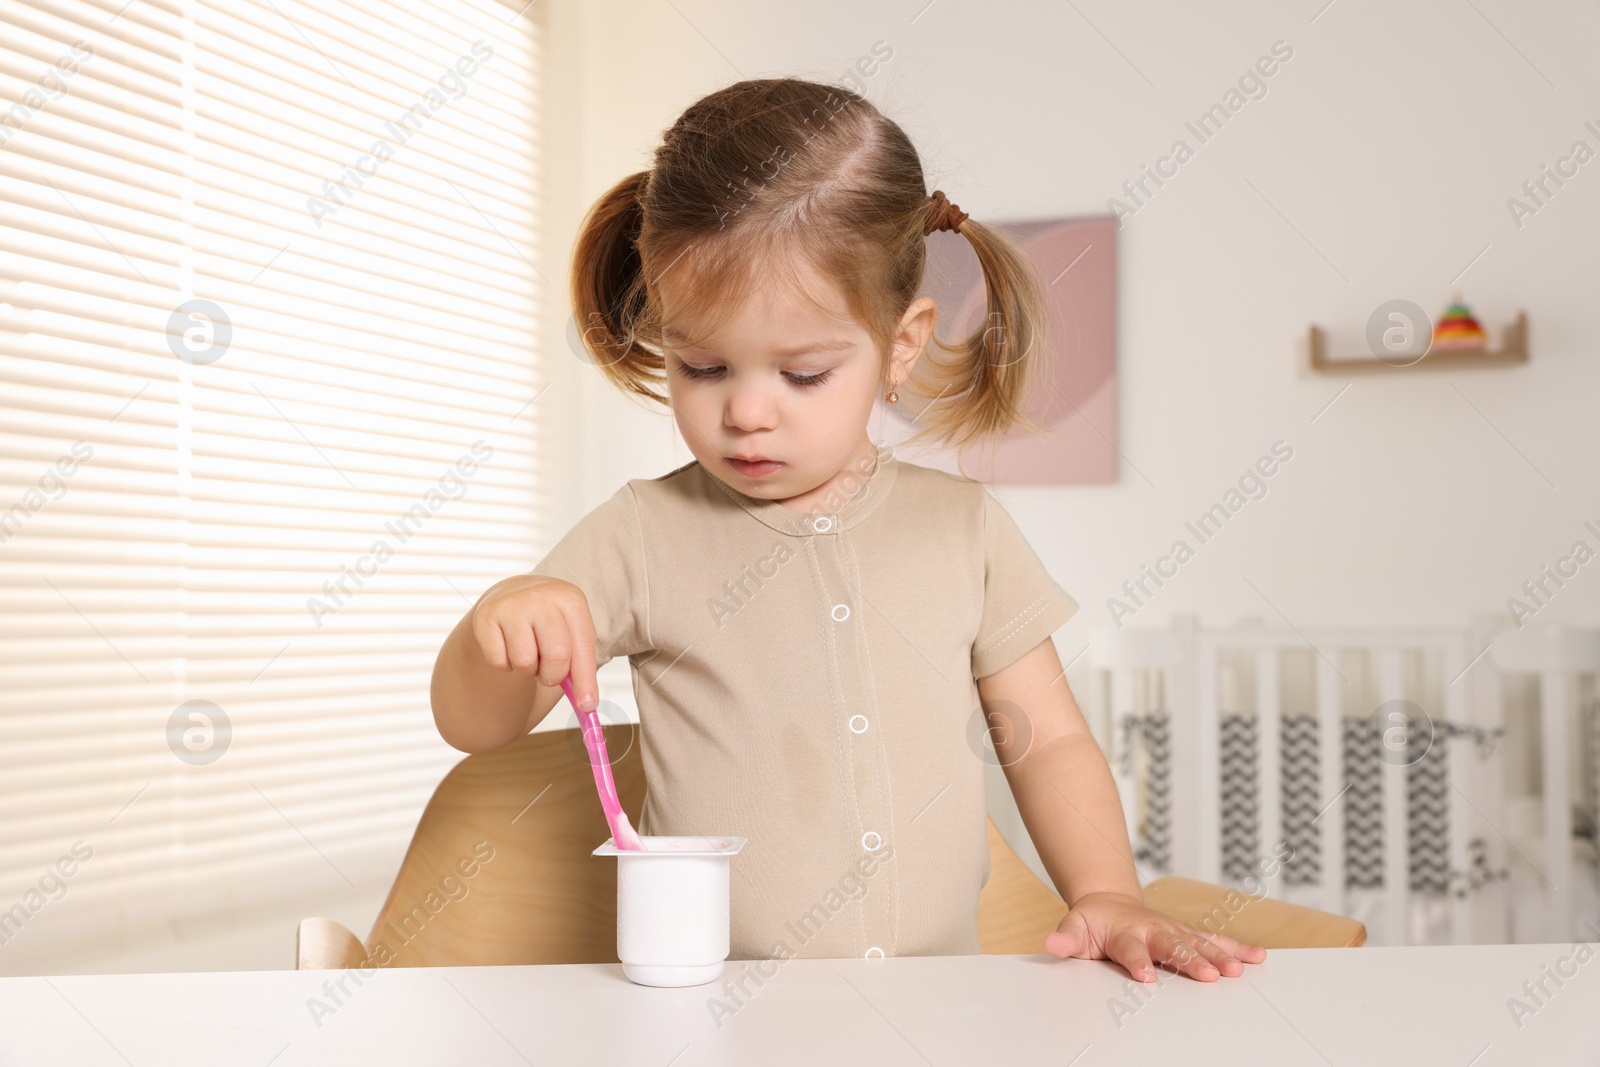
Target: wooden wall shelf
[(1513, 350)]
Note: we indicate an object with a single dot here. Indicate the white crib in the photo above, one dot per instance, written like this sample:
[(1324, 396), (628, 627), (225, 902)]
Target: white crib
[(1377, 755)]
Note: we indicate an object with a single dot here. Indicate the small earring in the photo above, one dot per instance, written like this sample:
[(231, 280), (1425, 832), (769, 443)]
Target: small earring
[(893, 397)]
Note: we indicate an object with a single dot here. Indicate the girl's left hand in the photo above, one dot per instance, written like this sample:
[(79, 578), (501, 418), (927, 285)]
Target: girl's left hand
[(1111, 926)]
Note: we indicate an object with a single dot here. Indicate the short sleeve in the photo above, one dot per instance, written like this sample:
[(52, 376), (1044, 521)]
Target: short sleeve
[(1022, 604), (603, 554)]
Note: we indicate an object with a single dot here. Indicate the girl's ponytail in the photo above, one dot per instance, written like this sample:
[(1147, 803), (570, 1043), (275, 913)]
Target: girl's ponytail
[(979, 394), (608, 291)]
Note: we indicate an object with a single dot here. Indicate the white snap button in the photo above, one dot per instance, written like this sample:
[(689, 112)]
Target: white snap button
[(822, 523), (872, 836), (841, 612), (858, 729), (873, 952)]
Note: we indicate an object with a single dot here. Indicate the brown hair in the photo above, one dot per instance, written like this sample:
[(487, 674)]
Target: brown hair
[(769, 173)]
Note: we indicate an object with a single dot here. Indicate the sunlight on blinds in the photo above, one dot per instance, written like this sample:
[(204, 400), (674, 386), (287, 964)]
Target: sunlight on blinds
[(267, 384)]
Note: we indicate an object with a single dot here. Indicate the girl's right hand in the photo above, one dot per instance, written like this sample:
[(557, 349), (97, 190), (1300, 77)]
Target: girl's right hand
[(540, 627)]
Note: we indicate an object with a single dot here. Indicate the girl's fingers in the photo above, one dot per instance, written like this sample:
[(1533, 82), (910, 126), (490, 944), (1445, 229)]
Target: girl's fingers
[(1219, 957), (1239, 949), (1072, 939), (522, 649), (1129, 949), (554, 639), (585, 684), (1172, 954), (1140, 943), (491, 642), (534, 634), (1185, 958), (1209, 963)]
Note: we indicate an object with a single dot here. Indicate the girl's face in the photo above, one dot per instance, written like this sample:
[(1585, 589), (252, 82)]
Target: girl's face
[(776, 402)]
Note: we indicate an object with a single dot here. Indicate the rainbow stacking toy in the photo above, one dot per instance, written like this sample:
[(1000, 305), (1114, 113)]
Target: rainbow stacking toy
[(1458, 329)]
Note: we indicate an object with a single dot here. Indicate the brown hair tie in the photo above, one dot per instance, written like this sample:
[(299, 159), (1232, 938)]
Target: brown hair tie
[(942, 214)]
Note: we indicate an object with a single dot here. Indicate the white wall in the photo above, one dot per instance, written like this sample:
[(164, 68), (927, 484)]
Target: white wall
[(1377, 166)]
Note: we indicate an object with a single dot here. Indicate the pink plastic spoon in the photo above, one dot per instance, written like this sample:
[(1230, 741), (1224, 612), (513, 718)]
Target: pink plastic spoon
[(594, 738)]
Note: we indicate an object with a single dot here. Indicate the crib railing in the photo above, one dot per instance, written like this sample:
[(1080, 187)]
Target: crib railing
[(1386, 775)]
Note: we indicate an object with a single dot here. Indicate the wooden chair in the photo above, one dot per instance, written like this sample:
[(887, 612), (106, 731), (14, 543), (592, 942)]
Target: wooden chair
[(499, 871)]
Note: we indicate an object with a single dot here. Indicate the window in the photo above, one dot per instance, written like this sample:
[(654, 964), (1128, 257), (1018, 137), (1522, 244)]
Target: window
[(267, 368)]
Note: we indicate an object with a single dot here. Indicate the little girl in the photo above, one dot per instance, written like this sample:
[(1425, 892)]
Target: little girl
[(819, 633)]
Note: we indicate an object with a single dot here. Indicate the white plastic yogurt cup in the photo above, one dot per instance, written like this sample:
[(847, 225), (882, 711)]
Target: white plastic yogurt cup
[(672, 908)]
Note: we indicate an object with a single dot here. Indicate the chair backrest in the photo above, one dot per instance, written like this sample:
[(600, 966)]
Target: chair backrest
[(522, 820)]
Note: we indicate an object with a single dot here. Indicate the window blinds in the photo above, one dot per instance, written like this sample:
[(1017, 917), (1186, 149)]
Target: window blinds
[(267, 373)]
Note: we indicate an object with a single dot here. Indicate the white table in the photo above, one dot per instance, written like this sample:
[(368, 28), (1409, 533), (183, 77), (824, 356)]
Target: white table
[(1368, 1007)]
